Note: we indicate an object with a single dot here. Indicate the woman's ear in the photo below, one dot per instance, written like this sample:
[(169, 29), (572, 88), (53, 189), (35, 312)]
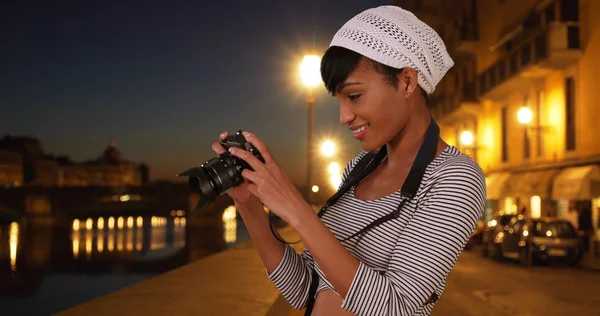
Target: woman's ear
[(409, 80)]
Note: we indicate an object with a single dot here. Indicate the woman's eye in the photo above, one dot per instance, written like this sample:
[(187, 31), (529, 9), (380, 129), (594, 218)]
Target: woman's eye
[(353, 97)]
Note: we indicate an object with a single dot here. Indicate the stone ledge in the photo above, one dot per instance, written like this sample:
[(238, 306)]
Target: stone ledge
[(232, 282)]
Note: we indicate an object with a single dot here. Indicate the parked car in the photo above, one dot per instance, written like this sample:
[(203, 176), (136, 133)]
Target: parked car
[(532, 240), (488, 245)]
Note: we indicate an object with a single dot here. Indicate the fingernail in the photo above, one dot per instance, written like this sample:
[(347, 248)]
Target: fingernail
[(223, 135), (246, 134), (232, 150)]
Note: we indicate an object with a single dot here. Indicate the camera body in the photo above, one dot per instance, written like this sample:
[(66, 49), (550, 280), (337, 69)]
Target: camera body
[(222, 173), (238, 140)]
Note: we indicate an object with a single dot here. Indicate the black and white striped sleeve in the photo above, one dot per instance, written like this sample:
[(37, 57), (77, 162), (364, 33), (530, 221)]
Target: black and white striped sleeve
[(427, 249), (292, 276)]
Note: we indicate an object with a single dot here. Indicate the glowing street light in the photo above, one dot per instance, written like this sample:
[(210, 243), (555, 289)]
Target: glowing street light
[(468, 142), (328, 148), (466, 138), (524, 115), (310, 74), (334, 168), (310, 71)]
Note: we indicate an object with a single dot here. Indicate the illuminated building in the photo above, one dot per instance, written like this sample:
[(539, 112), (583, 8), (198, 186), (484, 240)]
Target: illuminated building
[(523, 85)]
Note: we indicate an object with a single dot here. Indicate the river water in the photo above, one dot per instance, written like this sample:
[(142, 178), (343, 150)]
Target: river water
[(46, 268)]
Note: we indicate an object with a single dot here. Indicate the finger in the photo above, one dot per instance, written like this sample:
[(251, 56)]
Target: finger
[(248, 157), (251, 188), (223, 135), (260, 146), (252, 177), (218, 148)]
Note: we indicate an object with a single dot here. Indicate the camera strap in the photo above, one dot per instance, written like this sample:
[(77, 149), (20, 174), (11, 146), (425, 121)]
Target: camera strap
[(361, 170)]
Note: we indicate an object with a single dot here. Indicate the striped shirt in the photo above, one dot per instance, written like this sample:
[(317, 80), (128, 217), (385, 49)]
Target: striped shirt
[(404, 260)]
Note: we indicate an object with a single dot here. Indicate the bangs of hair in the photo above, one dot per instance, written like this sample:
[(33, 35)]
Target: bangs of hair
[(336, 65)]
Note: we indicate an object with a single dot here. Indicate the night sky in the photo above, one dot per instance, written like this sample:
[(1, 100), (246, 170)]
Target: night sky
[(164, 78)]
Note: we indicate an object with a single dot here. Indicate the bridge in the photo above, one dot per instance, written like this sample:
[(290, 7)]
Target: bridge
[(63, 204)]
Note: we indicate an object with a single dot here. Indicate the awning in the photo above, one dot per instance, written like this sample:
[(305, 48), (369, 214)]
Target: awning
[(495, 185), (528, 184), (577, 183)]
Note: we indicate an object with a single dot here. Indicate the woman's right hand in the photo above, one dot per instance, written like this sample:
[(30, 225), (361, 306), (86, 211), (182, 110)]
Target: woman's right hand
[(239, 194)]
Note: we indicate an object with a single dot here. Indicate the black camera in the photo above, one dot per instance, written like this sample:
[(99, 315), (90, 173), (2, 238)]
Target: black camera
[(222, 173)]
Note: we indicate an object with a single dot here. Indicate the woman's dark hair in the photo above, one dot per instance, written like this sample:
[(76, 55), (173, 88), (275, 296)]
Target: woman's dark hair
[(338, 62)]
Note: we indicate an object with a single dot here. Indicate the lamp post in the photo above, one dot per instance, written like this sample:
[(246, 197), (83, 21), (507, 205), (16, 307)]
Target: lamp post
[(525, 117), (310, 75)]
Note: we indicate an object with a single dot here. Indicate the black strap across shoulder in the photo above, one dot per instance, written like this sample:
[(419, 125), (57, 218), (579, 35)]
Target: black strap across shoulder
[(361, 170)]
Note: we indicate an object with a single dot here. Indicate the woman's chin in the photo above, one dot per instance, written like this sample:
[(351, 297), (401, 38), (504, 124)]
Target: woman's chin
[(369, 146)]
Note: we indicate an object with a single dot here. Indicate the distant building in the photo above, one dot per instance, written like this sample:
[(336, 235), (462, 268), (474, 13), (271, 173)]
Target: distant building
[(111, 170), (72, 174), (46, 172), (11, 169), (36, 168)]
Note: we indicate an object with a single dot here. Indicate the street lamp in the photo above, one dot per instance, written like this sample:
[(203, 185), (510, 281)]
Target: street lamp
[(467, 139), (524, 115), (334, 168), (328, 148), (310, 74)]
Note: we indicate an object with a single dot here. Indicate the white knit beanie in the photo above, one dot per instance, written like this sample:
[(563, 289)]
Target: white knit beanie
[(397, 38)]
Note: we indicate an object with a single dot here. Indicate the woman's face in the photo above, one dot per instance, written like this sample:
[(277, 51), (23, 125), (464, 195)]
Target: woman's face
[(374, 110)]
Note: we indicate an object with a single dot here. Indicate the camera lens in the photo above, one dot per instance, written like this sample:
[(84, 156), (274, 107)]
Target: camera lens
[(222, 173), (216, 177)]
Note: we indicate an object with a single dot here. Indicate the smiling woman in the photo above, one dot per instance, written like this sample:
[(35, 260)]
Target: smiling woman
[(407, 204)]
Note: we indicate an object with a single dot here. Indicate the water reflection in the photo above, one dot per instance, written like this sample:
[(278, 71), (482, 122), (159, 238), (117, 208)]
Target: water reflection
[(39, 260), (230, 224), (131, 235), (13, 241)]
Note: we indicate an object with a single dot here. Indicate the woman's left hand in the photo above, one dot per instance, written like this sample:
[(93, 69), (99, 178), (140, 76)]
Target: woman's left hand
[(270, 183)]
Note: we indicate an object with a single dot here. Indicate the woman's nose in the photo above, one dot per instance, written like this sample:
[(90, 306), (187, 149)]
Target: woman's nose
[(346, 115)]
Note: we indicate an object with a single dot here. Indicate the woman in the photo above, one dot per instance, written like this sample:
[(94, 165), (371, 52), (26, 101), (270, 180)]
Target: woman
[(381, 65)]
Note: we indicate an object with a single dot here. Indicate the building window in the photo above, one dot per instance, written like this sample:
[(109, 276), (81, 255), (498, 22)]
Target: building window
[(504, 136), (569, 11), (570, 113)]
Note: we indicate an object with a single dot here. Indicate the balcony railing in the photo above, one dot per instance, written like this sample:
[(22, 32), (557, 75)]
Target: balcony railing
[(555, 47)]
